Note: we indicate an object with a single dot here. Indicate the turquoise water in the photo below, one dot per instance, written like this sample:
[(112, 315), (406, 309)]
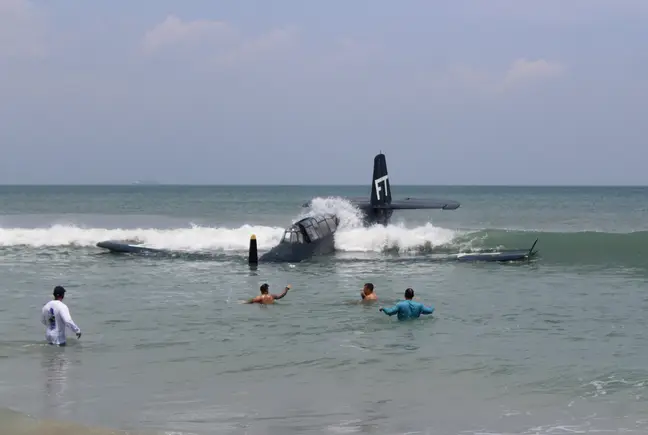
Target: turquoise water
[(554, 346)]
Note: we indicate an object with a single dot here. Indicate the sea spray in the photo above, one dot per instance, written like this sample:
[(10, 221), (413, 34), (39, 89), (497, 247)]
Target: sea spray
[(351, 236)]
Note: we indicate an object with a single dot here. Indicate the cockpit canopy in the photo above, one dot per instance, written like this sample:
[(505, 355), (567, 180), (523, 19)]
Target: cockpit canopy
[(293, 235), (311, 229)]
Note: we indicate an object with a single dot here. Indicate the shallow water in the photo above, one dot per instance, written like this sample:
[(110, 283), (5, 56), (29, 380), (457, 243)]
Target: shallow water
[(554, 346)]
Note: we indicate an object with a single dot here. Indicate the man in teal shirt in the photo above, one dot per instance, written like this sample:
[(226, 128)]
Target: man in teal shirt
[(408, 309)]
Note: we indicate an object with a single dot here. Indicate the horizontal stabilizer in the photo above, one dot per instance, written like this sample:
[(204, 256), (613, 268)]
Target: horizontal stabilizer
[(402, 204), (409, 204), (420, 204)]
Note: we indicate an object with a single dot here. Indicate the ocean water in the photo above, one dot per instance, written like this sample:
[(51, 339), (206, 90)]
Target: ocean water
[(554, 346)]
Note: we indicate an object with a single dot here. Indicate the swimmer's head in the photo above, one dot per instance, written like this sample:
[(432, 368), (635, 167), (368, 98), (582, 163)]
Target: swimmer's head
[(264, 288), (409, 293), (59, 292), (368, 288)]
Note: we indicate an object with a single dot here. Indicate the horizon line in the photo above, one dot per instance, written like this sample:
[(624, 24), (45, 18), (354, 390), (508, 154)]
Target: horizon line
[(152, 185)]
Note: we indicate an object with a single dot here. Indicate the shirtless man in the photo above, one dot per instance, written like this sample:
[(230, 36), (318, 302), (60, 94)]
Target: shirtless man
[(367, 293), (265, 297)]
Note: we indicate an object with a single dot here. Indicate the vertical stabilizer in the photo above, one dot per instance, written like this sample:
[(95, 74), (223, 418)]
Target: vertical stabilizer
[(380, 188)]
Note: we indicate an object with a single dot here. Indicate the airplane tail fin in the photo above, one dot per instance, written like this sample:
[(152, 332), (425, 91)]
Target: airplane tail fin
[(380, 188), (379, 207)]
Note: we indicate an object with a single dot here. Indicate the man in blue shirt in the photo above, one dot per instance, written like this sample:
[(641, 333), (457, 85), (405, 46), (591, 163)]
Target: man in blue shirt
[(408, 309)]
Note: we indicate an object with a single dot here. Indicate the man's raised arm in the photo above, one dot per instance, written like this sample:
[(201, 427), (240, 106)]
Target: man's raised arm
[(284, 293)]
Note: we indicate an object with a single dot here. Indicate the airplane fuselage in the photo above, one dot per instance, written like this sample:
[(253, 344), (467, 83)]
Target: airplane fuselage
[(315, 235), (372, 216), (307, 238), (294, 253)]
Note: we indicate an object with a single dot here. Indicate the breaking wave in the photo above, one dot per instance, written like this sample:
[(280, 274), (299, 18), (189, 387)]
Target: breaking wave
[(193, 238), (588, 247), (351, 236)]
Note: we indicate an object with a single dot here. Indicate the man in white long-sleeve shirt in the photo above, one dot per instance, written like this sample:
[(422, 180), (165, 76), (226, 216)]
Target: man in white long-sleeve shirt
[(56, 316)]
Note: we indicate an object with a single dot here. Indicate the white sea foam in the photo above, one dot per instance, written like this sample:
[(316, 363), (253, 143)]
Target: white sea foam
[(351, 236), (194, 238)]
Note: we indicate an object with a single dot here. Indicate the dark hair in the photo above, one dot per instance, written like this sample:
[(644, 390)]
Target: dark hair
[(59, 291), (409, 293), (264, 287), (369, 286)]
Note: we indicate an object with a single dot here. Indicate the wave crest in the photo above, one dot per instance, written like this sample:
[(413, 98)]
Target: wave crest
[(351, 236)]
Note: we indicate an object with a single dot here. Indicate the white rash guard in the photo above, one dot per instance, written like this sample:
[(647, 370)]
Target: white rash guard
[(56, 316)]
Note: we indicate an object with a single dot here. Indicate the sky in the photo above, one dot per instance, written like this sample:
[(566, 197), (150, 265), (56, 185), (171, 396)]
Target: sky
[(302, 92)]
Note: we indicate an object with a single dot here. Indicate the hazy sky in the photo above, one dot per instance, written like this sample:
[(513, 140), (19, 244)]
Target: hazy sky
[(278, 91)]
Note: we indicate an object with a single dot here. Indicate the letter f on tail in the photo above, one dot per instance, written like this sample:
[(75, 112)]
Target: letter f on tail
[(380, 188)]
